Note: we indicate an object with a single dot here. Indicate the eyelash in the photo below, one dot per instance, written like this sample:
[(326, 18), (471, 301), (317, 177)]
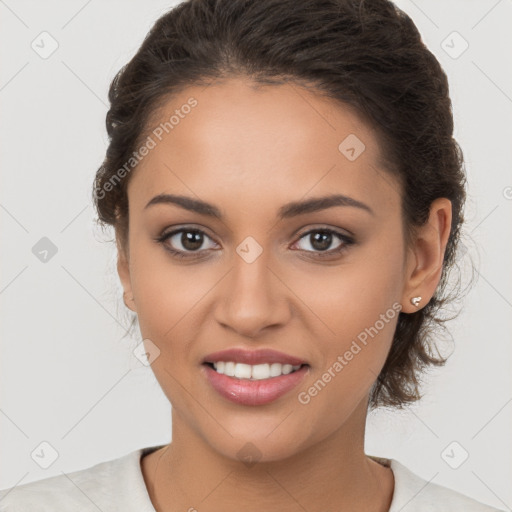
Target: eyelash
[(347, 241)]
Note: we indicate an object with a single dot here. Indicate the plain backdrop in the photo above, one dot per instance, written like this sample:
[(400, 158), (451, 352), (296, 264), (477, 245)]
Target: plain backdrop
[(69, 378)]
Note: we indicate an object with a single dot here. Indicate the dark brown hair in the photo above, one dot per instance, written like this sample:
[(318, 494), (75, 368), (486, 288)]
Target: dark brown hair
[(366, 54)]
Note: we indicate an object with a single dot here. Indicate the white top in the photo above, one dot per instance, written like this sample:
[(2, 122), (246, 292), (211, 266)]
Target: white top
[(118, 485)]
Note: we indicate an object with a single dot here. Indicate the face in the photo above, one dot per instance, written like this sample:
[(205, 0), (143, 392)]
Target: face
[(321, 283)]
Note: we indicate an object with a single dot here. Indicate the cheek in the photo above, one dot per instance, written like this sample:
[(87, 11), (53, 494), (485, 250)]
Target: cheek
[(358, 304), (352, 296), (350, 360), (165, 293), (168, 299)]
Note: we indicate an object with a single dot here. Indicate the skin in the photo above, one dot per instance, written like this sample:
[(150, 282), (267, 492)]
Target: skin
[(249, 150)]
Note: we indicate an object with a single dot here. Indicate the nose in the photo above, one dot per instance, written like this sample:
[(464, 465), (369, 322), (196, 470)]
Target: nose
[(253, 298)]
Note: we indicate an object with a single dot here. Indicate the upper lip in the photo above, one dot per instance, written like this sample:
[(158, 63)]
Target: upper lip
[(252, 357)]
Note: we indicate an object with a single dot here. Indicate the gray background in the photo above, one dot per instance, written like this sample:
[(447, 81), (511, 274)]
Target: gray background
[(69, 379)]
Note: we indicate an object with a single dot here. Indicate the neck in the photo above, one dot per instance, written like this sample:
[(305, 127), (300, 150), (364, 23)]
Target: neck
[(334, 474)]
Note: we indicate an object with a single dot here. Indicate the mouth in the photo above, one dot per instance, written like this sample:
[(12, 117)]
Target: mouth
[(253, 377)]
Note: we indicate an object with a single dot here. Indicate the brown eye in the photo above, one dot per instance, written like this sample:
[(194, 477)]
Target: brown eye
[(182, 241), (320, 240), (191, 241)]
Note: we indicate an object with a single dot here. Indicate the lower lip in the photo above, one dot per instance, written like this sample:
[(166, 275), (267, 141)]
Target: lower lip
[(254, 392)]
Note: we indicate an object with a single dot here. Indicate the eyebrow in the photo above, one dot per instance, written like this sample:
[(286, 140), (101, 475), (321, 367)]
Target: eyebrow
[(287, 211)]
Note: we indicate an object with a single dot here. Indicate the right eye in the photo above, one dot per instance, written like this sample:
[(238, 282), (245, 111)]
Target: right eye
[(190, 240)]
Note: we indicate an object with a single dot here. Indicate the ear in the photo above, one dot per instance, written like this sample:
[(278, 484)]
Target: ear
[(123, 269), (425, 257)]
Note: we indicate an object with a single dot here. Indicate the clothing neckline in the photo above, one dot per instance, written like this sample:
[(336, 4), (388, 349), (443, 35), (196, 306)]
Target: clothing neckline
[(142, 452)]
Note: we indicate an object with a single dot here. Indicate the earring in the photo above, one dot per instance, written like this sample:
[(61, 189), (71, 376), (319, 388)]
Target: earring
[(415, 301)]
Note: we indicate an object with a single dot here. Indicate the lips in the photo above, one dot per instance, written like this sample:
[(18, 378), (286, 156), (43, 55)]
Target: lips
[(253, 392), (253, 357)]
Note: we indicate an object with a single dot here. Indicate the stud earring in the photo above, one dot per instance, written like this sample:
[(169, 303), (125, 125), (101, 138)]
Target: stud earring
[(415, 301)]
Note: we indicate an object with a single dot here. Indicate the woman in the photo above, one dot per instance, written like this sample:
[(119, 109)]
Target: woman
[(287, 199)]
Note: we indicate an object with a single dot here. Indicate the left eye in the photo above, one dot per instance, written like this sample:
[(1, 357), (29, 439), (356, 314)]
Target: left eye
[(321, 239)]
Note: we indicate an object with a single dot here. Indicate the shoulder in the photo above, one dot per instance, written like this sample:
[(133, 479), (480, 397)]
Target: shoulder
[(112, 485), (415, 494)]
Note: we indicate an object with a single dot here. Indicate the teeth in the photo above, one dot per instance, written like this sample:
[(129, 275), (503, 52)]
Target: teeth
[(254, 372)]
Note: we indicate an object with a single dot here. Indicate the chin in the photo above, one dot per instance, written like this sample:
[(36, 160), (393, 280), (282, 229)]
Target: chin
[(262, 438)]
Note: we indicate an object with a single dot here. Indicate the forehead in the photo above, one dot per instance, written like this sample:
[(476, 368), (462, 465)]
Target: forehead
[(246, 143)]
